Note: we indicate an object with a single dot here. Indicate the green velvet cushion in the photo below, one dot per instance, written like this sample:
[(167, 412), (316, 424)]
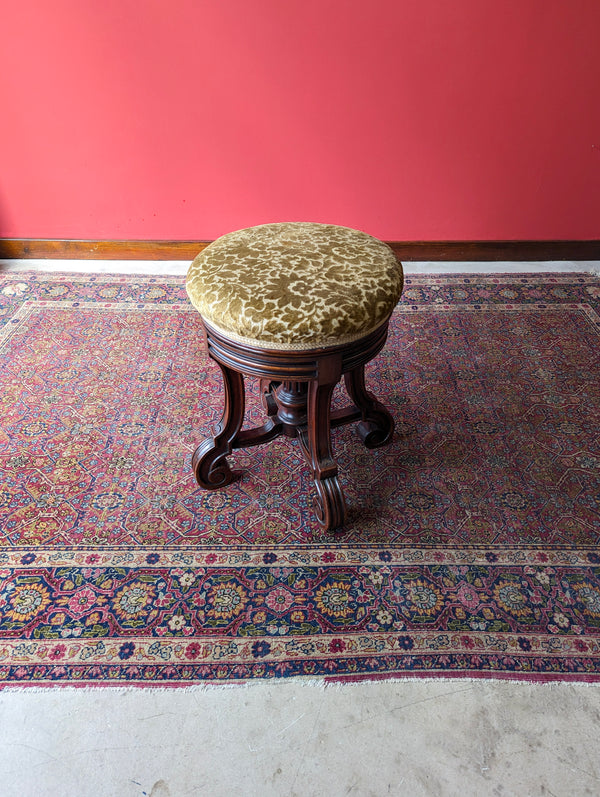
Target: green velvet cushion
[(295, 285)]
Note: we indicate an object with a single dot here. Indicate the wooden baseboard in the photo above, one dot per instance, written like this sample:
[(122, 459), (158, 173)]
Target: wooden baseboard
[(458, 251), (44, 249)]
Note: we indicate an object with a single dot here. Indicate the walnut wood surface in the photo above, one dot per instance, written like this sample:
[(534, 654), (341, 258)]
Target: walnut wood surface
[(26, 248), (210, 459), (296, 389), (29, 248)]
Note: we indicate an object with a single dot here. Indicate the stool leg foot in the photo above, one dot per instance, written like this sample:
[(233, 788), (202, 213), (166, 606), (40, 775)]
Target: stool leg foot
[(330, 506), (377, 425), (209, 462), (315, 440)]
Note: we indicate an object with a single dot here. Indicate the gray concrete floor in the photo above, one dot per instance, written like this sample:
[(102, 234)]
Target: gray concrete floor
[(170, 267), (445, 737), (435, 738)]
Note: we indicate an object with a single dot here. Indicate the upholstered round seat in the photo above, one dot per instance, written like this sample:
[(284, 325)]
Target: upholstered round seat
[(295, 285), (300, 306)]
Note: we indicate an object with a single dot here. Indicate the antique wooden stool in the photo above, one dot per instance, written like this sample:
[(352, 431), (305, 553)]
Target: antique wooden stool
[(297, 305)]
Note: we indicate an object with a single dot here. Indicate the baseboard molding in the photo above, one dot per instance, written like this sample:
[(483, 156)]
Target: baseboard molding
[(453, 251), (40, 249)]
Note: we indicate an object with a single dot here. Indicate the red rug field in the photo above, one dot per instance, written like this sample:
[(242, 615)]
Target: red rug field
[(473, 546)]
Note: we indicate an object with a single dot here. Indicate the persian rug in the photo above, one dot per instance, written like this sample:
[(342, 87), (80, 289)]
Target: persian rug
[(472, 547)]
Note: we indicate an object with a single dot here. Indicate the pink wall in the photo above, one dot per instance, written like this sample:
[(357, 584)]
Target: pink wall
[(411, 119)]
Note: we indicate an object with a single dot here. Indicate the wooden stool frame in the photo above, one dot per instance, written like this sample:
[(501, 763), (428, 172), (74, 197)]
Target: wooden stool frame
[(296, 388)]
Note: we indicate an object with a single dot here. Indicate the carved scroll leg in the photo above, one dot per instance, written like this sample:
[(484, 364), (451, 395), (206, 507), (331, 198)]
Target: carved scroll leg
[(315, 439), (377, 425), (209, 460)]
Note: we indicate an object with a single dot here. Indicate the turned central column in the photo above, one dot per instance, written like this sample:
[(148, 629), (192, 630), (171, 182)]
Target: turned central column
[(292, 399)]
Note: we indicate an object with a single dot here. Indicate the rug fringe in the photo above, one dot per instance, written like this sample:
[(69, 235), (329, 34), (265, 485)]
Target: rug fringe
[(309, 683)]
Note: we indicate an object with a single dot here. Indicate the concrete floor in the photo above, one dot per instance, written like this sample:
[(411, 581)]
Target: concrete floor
[(444, 737), (439, 737), (170, 267)]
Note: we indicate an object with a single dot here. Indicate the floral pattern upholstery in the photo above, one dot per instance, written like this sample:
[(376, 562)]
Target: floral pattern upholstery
[(295, 285)]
